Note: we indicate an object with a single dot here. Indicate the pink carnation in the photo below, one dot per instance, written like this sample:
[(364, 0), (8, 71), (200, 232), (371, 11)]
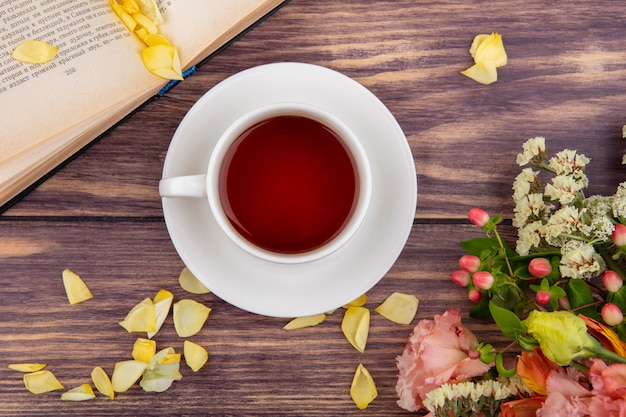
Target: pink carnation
[(436, 353), (609, 389), (567, 397)]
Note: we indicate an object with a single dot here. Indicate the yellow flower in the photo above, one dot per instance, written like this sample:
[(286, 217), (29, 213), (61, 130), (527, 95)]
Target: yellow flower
[(562, 335)]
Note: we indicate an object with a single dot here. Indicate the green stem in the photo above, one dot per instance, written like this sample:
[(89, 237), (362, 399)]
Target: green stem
[(506, 258), (604, 353), (610, 262)]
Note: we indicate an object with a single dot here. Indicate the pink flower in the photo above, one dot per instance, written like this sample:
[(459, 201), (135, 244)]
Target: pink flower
[(469, 263), (542, 297), (437, 352), (567, 397), (539, 267), (619, 235), (611, 314), (483, 280), (609, 389), (478, 216), (460, 277), (612, 281)]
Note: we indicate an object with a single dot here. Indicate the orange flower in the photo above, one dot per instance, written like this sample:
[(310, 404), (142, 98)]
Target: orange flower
[(525, 407), (533, 367), (605, 335)]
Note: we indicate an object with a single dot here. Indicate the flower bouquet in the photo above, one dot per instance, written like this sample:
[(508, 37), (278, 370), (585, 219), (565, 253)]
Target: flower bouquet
[(557, 295)]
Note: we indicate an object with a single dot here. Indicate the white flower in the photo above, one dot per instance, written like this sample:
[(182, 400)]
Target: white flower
[(564, 223), (534, 150), (530, 208), (618, 202), (568, 162), (526, 182), (529, 236), (600, 209), (563, 188), (579, 260)]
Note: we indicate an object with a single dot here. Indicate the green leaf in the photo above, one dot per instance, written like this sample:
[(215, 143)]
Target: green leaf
[(478, 245), (619, 298), (510, 325), (481, 309), (578, 293)]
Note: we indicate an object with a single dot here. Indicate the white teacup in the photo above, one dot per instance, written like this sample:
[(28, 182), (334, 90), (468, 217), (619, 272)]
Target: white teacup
[(249, 182)]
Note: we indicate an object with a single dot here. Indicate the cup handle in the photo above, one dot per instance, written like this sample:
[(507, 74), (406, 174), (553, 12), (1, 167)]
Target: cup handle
[(183, 186)]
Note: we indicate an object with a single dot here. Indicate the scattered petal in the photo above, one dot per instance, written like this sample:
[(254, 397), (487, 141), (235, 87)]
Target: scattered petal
[(162, 60), (80, 393), (144, 350), (189, 317), (162, 303), (151, 10), (123, 15), (190, 283), (102, 382), (27, 367), (34, 52), (75, 288), (482, 72), (163, 370), (195, 355), (306, 321), (126, 373), (399, 307), (357, 302), (142, 318), (488, 53), (363, 389), (41, 381), (355, 326)]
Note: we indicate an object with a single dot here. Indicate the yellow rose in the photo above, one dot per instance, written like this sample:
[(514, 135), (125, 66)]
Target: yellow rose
[(562, 336)]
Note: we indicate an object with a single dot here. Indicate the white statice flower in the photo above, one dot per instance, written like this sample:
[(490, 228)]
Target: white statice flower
[(579, 260), (618, 203), (600, 210), (564, 189), (529, 236), (525, 183), (568, 162), (530, 208), (565, 222), (533, 150), (466, 396)]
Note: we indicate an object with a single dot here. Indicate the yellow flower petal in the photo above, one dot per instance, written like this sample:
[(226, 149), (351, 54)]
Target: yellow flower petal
[(491, 49), (27, 367), (129, 6), (190, 283), (478, 39), (162, 303), (195, 355), (162, 371), (41, 381), (142, 318), (75, 288), (34, 52), (355, 326), (162, 60), (189, 317), (144, 350), (144, 22), (102, 382), (306, 321), (123, 15), (126, 373), (399, 307), (80, 393), (363, 389), (482, 72), (357, 302), (151, 9), (156, 39)]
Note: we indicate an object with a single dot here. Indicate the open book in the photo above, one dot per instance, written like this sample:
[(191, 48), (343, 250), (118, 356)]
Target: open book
[(50, 111)]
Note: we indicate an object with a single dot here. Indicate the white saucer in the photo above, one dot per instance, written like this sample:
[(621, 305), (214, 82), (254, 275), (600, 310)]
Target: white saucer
[(284, 290)]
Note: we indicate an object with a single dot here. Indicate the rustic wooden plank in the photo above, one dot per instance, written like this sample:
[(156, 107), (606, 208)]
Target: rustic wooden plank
[(255, 367)]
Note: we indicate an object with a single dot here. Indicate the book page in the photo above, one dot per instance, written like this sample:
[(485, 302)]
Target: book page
[(98, 67)]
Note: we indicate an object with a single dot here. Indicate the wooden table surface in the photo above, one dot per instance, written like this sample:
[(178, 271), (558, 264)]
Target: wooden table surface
[(101, 215)]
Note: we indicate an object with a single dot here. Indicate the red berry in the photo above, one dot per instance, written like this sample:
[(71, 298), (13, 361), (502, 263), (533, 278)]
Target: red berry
[(612, 281), (478, 216), (461, 277), (483, 280), (475, 295), (611, 314), (542, 297), (469, 263), (539, 267), (619, 235)]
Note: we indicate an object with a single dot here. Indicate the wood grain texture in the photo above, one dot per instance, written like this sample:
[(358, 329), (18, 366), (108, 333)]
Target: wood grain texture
[(101, 215)]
